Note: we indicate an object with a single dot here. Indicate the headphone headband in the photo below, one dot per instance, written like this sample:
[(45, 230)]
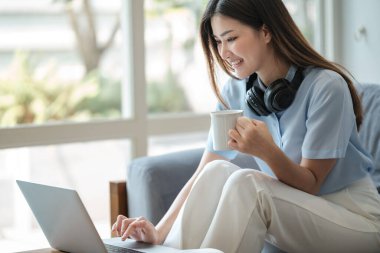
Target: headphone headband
[(297, 79)]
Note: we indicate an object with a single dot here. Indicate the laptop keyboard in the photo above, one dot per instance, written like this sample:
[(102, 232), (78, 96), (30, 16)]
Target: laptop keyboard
[(116, 249)]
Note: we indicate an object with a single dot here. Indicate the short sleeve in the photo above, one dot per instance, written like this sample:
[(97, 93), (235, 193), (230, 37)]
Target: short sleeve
[(330, 120)]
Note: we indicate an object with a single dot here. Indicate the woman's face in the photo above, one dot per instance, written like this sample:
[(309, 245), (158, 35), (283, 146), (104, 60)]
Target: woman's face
[(244, 48)]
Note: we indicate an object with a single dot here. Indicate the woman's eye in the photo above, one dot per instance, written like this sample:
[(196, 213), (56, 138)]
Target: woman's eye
[(231, 39)]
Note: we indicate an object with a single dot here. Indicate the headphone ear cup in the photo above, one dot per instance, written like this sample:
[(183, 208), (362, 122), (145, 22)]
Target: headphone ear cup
[(279, 96), (254, 98)]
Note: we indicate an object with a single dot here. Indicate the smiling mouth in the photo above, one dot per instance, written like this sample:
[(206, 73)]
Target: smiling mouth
[(236, 63)]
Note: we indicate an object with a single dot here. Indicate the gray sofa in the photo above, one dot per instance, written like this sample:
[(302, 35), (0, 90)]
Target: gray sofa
[(154, 182)]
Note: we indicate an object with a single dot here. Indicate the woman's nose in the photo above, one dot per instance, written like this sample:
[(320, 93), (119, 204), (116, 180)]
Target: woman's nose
[(224, 51)]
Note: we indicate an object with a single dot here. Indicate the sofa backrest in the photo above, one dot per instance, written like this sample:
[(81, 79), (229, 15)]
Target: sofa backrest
[(369, 133)]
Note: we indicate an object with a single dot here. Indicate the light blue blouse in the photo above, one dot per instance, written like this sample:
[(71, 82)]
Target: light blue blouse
[(320, 124)]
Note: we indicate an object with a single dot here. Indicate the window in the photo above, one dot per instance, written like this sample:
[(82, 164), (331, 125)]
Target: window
[(305, 14), (176, 72), (159, 145), (60, 61)]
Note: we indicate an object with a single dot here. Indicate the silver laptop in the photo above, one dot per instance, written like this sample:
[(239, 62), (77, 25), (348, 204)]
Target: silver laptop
[(68, 227)]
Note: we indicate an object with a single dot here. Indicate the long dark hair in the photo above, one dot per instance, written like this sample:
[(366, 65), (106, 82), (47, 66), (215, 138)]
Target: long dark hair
[(287, 40)]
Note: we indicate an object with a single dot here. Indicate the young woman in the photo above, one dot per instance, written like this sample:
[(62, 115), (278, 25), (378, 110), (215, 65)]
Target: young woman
[(301, 121)]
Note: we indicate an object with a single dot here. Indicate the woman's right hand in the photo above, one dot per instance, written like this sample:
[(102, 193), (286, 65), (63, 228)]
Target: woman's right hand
[(139, 229)]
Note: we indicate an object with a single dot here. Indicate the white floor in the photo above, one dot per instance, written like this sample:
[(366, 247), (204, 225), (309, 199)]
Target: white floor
[(36, 239)]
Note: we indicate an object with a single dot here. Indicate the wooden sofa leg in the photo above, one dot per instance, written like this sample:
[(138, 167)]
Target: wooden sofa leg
[(118, 200)]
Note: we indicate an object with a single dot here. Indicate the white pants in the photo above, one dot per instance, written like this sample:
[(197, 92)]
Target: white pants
[(236, 210)]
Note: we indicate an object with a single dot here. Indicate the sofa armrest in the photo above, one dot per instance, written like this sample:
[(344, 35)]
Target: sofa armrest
[(154, 182), (118, 200)]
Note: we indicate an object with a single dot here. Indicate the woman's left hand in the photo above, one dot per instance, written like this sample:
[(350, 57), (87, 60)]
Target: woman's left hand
[(251, 137)]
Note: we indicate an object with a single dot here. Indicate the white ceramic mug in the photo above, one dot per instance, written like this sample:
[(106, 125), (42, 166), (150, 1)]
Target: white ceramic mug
[(221, 123)]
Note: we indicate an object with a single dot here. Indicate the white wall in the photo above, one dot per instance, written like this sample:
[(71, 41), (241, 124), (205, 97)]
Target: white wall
[(360, 55)]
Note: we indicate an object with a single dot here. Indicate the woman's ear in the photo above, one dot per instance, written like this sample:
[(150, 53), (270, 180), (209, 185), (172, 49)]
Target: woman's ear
[(266, 34)]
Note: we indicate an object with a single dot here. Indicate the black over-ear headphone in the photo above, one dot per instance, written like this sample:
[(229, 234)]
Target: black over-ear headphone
[(277, 97)]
